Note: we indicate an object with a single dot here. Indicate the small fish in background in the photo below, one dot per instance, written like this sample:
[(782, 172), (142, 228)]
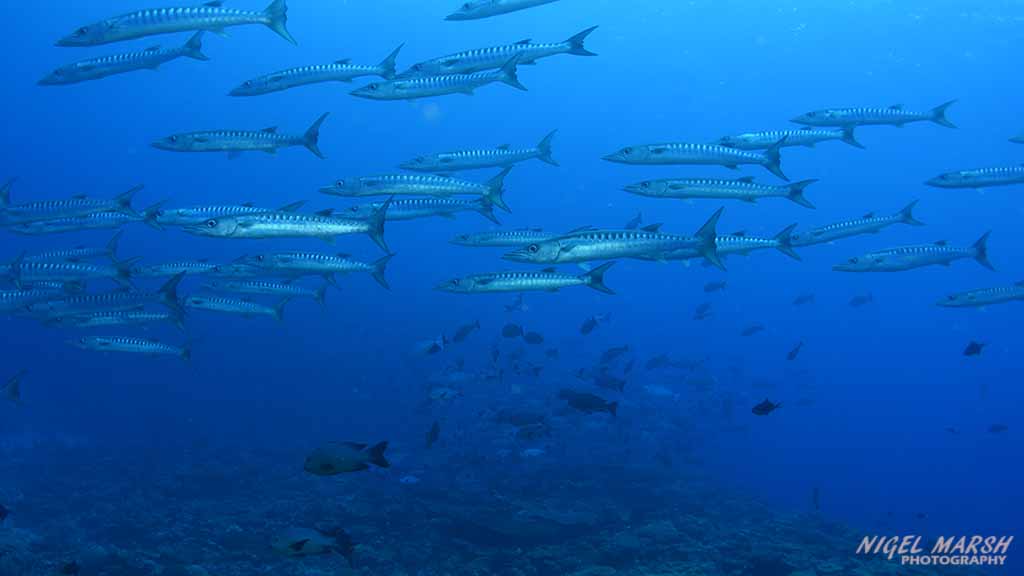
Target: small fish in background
[(804, 299), (588, 403), (336, 458), (765, 408), (12, 390), (953, 430), (635, 221), (611, 354), (301, 542), (753, 329), (433, 434), (533, 338), (4, 513), (512, 331), (517, 305), (465, 331), (1018, 139), (590, 324), (432, 347), (711, 287), (998, 429), (703, 311), (71, 568), (861, 300), (974, 348), (795, 351)]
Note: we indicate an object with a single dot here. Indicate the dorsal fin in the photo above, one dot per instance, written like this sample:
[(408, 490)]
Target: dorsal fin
[(942, 243), (524, 41), (270, 129), (292, 207), (740, 233), (215, 4), (79, 197), (327, 212), (343, 255), (896, 107), (343, 61), (746, 179), (502, 146), (248, 204), (869, 215), (550, 270), (154, 48), (805, 128), (653, 227), (580, 229)]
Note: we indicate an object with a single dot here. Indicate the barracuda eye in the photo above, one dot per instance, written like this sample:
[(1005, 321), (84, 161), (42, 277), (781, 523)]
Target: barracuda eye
[(645, 185), (211, 223), (455, 282), (82, 31), (627, 150), (339, 184), (248, 83), (417, 67), (533, 248), (173, 138), (854, 260), (259, 258)]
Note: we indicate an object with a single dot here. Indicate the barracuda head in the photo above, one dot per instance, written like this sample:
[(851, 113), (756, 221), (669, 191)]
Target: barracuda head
[(429, 68), (536, 253), (735, 141), (816, 118), (90, 35), (377, 91), (255, 87), (176, 143), (957, 301), (950, 180), (647, 188), (343, 187), (472, 10), (216, 227), (421, 163), (62, 75), (457, 286), (859, 264), (630, 155), (358, 211)]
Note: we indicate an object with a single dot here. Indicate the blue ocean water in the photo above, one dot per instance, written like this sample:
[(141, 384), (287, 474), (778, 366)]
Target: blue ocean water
[(865, 405)]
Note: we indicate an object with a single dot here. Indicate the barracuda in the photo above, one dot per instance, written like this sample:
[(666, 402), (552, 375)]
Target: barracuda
[(122, 318), (420, 185), (238, 307), (891, 116), (807, 137), (1018, 139), (131, 345), (149, 59), (981, 178), (868, 224), (742, 244), (269, 288), (122, 300), (29, 272), (480, 59), (16, 300), (646, 244), (97, 221), (476, 9), (211, 16), (502, 156), (80, 253), (744, 189), (322, 225), (340, 71), (234, 142), (186, 267), (427, 86), (984, 297), (911, 257), (200, 214), (326, 265), (547, 280), (699, 154), (58, 209), (504, 238), (413, 208)]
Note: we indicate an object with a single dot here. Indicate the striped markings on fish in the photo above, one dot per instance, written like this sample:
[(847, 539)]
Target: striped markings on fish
[(427, 86), (420, 185), (867, 224), (79, 253), (477, 9), (80, 205), (131, 345), (239, 307), (413, 208), (338, 71), (149, 59), (95, 221), (744, 189), (910, 257), (234, 142), (326, 265), (980, 178), (674, 153), (211, 16), (807, 136), (547, 280), (269, 288), (501, 156), (116, 318), (891, 116), (984, 297)]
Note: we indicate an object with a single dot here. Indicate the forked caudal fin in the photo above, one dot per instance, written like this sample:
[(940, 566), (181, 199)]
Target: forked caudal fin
[(379, 267), (496, 190), (773, 160), (939, 114), (279, 309), (311, 139), (906, 215), (850, 138), (277, 19), (981, 251), (796, 193), (576, 46), (708, 236), (386, 67), (595, 278), (509, 74), (485, 207), (5, 193), (375, 224), (785, 242), (544, 149), (194, 47), (376, 455)]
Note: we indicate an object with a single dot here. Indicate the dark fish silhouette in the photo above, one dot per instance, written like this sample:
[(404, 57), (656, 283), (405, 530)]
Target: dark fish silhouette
[(998, 428), (588, 403), (593, 322), (858, 301), (765, 408), (463, 332), (433, 434), (4, 513), (802, 299), (795, 351), (714, 287), (609, 355), (533, 338), (512, 331), (752, 329), (974, 348), (659, 361)]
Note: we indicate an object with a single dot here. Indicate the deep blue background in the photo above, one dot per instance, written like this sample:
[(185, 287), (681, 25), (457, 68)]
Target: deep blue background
[(886, 378)]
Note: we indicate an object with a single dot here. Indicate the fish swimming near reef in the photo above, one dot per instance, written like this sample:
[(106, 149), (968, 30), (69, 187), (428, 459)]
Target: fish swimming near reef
[(296, 542), (336, 458), (765, 408)]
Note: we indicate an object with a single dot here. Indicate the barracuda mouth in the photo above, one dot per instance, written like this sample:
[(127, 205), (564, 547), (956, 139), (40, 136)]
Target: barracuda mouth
[(517, 256)]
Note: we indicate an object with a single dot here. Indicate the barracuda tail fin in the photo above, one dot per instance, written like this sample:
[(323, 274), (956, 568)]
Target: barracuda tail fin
[(595, 278), (320, 296), (311, 139), (509, 74), (496, 190), (379, 268), (773, 160), (939, 115), (708, 235), (981, 251), (376, 455), (112, 245), (386, 68), (544, 149), (194, 47), (576, 46), (124, 200), (169, 295), (15, 267), (186, 352), (5, 193), (279, 309), (486, 209), (850, 138), (906, 215), (376, 225), (277, 19), (796, 193), (785, 242), (149, 215)]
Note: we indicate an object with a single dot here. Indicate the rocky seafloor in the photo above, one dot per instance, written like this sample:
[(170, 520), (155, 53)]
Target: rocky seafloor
[(214, 512)]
